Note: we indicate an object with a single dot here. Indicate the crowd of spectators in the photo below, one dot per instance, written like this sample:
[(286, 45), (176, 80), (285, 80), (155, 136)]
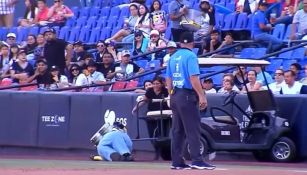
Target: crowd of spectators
[(55, 63)]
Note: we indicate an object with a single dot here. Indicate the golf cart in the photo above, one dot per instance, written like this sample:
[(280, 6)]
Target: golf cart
[(266, 135)]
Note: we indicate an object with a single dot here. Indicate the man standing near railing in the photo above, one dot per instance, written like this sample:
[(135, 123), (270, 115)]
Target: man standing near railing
[(187, 98)]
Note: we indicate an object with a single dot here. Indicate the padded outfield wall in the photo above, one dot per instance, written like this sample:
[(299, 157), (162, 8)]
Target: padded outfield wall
[(68, 120)]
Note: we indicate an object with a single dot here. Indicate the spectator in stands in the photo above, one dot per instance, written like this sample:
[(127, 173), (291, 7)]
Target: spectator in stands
[(253, 84), (31, 44), (143, 22), (177, 9), (279, 81), (260, 76), (156, 43), (261, 27), (41, 75), (291, 86), (208, 86), (112, 50), (11, 38), (286, 16), (54, 50), (30, 14), (129, 25), (207, 21), (304, 79), (300, 19), (296, 68), (140, 43), (247, 6), (240, 77), (172, 47), (101, 49), (74, 73), (39, 50), (86, 59), (228, 77), (227, 87), (146, 85), (7, 9), (59, 13), (13, 53), (125, 68), (79, 53), (228, 41), (60, 81), (214, 43), (4, 61), (138, 1), (21, 70), (158, 17), (42, 16), (90, 76), (107, 65)]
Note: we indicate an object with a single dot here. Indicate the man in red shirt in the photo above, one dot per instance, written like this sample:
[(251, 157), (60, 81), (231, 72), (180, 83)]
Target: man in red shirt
[(42, 15)]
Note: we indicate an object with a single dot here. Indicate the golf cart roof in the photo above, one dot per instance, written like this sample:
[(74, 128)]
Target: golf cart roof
[(231, 62)]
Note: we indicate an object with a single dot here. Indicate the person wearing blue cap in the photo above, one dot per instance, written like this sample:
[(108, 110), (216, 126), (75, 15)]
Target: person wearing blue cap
[(186, 99)]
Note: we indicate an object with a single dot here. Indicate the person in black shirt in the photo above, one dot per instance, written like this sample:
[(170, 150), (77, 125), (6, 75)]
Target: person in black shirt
[(214, 43), (54, 50), (21, 69), (42, 75), (79, 53), (101, 49), (107, 65)]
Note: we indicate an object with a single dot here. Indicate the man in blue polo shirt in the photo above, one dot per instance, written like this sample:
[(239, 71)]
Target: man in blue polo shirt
[(187, 98), (261, 27)]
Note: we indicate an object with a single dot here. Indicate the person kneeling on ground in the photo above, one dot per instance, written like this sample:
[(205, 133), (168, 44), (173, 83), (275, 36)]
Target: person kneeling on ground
[(115, 145)]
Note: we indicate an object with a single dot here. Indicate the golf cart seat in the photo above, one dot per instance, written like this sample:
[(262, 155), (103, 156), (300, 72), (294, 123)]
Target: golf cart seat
[(166, 113), (262, 100)]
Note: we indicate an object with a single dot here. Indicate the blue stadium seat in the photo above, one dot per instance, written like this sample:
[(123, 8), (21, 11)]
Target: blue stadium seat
[(146, 77), (231, 6), (64, 33), (142, 63), (115, 12), (275, 64), (95, 34), (84, 34), (125, 11), (229, 22), (81, 21), (33, 30), (285, 55), (112, 22), (91, 22), (247, 52), (3, 32), (13, 30), (57, 30), (43, 29), (98, 3), (22, 34), (102, 22), (71, 21), (74, 34), (195, 50), (115, 30), (75, 10), (105, 11), (105, 33), (287, 63), (94, 11), (298, 53), (168, 33), (85, 12), (241, 23), (259, 52), (219, 20), (120, 22), (154, 64), (279, 31), (217, 79), (165, 8)]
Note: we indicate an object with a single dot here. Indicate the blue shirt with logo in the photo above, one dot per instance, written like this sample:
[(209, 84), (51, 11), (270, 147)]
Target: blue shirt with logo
[(259, 18), (182, 65)]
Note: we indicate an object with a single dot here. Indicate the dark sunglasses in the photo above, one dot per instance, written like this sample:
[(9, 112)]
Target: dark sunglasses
[(74, 70), (279, 74), (56, 1), (100, 45)]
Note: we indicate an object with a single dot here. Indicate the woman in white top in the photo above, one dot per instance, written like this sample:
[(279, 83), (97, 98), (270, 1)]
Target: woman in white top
[(253, 85), (253, 6), (143, 22)]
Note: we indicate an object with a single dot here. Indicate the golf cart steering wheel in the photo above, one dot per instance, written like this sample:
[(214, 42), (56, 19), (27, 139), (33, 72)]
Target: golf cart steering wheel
[(230, 98)]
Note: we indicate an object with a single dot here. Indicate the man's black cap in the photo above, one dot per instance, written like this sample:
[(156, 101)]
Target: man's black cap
[(187, 37), (78, 43), (52, 30), (91, 63)]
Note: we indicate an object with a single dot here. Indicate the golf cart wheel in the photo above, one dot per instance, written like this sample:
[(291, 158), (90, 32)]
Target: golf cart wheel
[(204, 148), (261, 156), (283, 150)]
